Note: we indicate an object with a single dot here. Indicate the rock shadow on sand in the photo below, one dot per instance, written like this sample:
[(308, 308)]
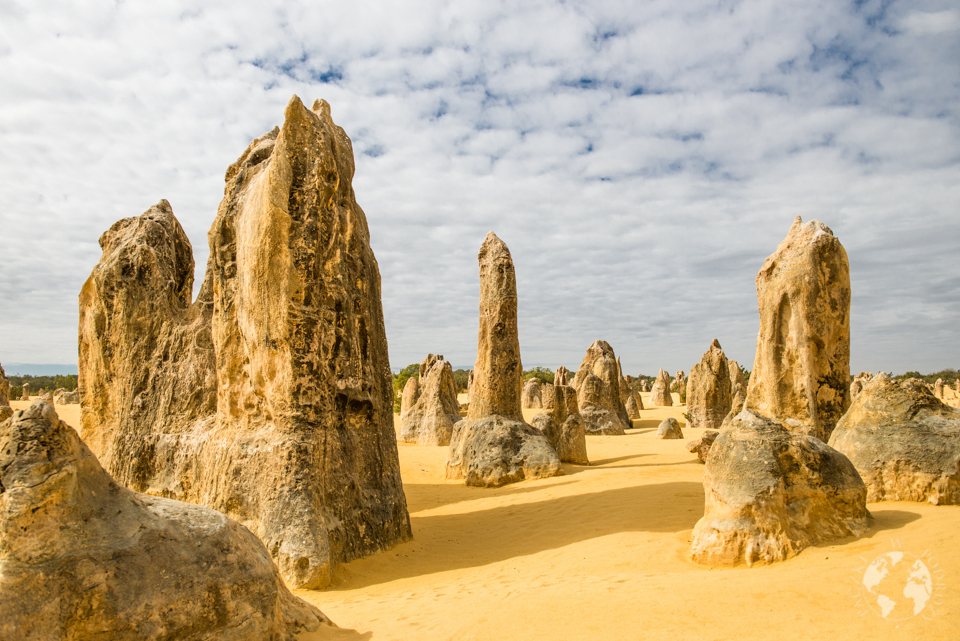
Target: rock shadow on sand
[(447, 542)]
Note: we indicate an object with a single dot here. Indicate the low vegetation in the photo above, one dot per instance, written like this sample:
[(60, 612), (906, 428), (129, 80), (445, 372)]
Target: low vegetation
[(37, 383), (949, 376)]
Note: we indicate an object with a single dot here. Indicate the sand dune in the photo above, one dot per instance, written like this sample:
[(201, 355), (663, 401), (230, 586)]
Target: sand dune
[(601, 553)]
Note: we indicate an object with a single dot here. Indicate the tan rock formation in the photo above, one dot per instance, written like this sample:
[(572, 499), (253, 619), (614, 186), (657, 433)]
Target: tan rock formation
[(669, 428), (938, 388), (645, 386), (598, 391), (4, 388), (411, 392), (5, 410), (701, 446), (660, 392), (904, 442), (84, 558), (431, 419), (561, 422), (679, 382), (709, 397), (801, 375), (737, 380), (67, 398), (629, 397), (25, 394), (530, 396), (855, 388), (771, 492), (493, 446), (269, 398), (737, 405), (562, 375), (633, 405)]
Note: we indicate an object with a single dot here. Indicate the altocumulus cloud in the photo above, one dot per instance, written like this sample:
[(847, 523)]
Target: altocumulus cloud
[(640, 159)]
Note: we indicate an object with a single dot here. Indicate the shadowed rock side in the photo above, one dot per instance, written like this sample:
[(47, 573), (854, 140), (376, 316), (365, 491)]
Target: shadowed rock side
[(904, 442), (493, 446), (4, 388), (771, 492), (562, 424), (84, 558), (629, 397), (660, 392), (801, 375), (5, 410), (530, 397), (708, 390), (431, 419), (598, 391), (270, 398)]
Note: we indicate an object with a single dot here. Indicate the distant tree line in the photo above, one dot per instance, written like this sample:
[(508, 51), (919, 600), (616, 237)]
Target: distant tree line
[(37, 383), (949, 376)]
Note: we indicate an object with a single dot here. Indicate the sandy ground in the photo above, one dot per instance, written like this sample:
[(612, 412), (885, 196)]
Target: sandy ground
[(601, 553)]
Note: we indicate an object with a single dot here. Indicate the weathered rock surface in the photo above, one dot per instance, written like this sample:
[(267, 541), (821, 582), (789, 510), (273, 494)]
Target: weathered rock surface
[(5, 410), (679, 382), (530, 397), (25, 394), (771, 492), (493, 446), (736, 405), (660, 392), (938, 388), (633, 405), (701, 446), (669, 428), (855, 388), (562, 424), (563, 375), (4, 388), (598, 391), (68, 398), (645, 386), (629, 397), (709, 395), (410, 394), (904, 442), (738, 381), (801, 375), (431, 419), (84, 558), (270, 398)]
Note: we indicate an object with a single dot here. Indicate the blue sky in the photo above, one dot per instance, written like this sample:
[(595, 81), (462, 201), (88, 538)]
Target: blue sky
[(640, 159)]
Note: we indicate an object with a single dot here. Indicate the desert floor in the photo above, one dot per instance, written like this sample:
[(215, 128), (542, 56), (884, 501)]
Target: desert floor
[(601, 553)]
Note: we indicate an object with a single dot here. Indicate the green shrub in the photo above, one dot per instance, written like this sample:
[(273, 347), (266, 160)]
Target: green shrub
[(545, 375), (399, 380)]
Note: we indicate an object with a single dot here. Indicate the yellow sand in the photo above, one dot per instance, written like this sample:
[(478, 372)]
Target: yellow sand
[(601, 553)]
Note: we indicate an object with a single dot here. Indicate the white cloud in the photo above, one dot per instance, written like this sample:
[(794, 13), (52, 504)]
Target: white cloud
[(640, 159)]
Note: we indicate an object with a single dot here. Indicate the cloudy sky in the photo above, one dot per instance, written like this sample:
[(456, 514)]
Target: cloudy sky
[(640, 159)]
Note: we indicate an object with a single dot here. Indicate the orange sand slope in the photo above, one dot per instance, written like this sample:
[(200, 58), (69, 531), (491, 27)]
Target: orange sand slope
[(601, 553)]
